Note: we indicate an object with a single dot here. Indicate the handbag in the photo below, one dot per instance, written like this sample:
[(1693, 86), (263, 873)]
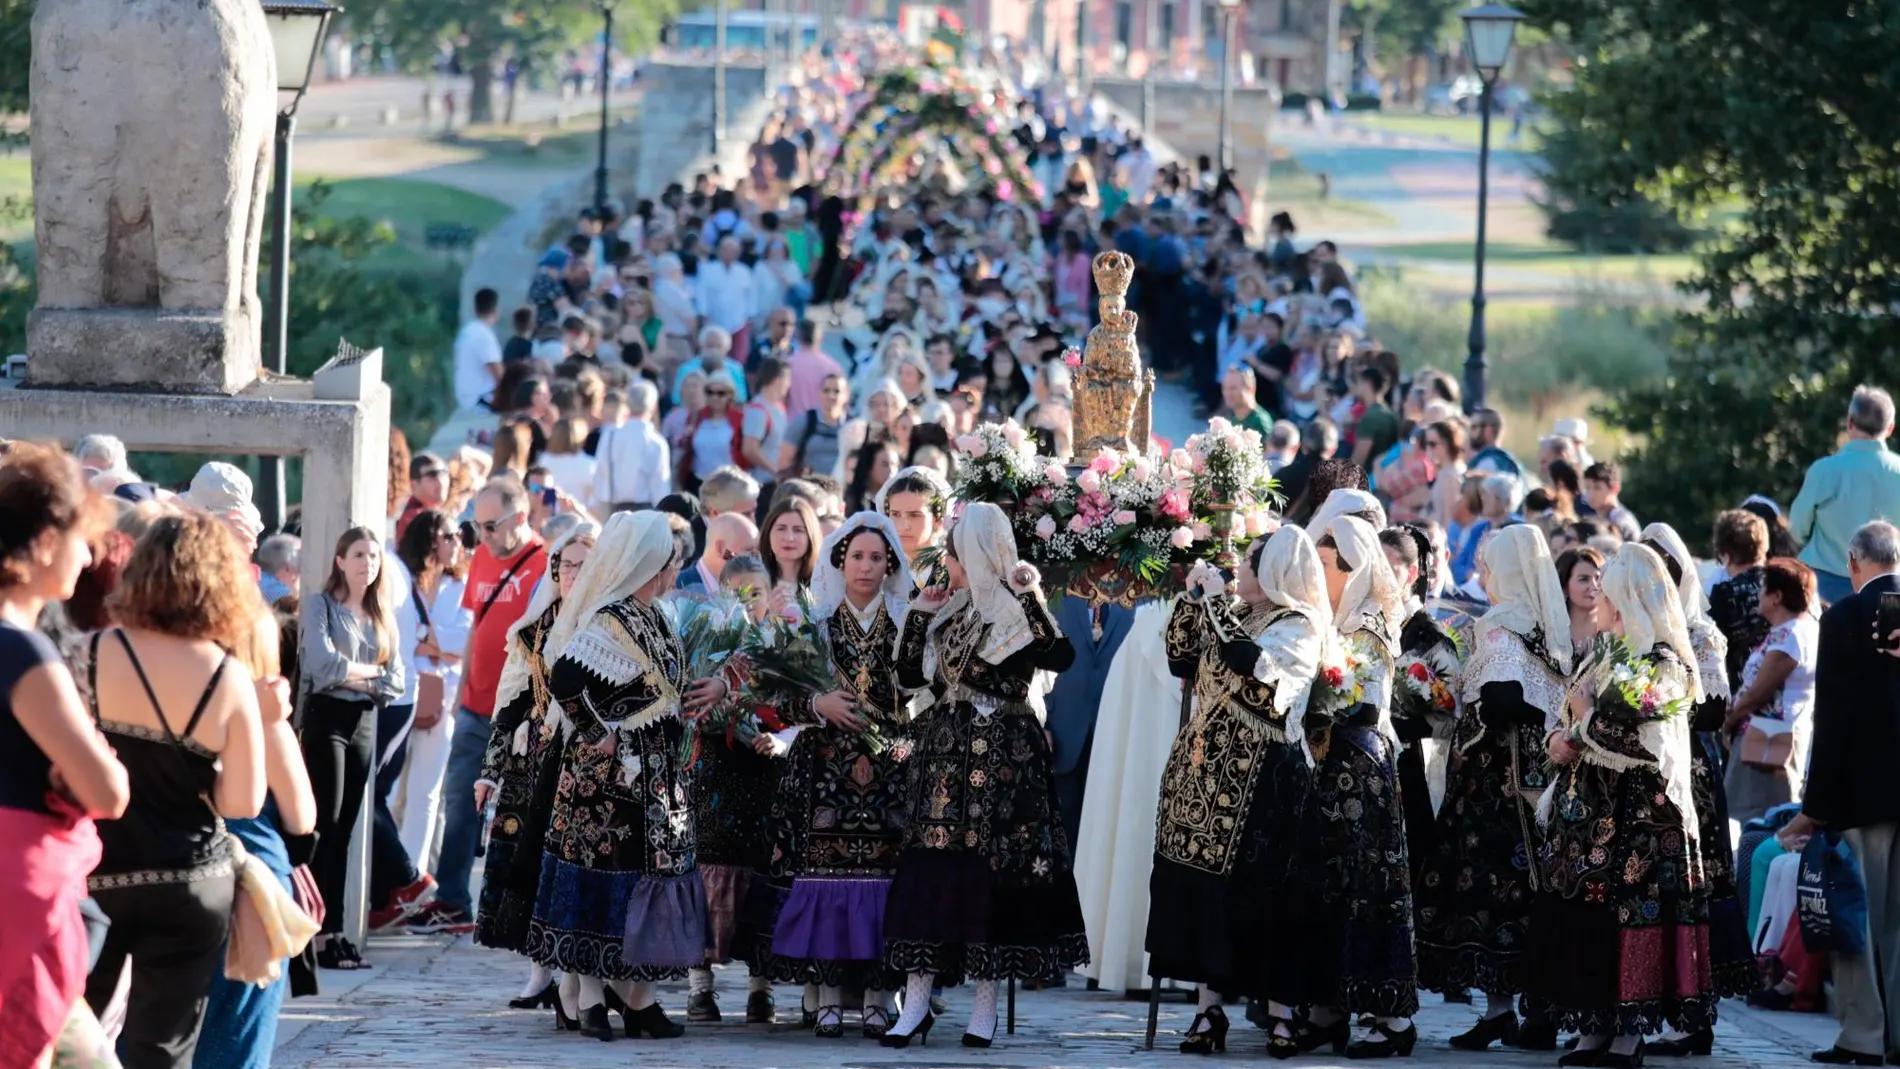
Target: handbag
[(267, 924), (1830, 898), (431, 697), (1768, 753)]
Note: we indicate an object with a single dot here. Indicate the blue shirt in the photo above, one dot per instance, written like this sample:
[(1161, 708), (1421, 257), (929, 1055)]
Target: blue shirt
[(25, 770), (1842, 493)]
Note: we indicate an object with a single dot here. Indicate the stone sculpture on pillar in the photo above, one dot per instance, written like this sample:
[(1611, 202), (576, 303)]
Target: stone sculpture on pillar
[(152, 124)]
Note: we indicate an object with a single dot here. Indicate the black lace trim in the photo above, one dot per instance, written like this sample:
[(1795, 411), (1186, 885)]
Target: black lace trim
[(1470, 968), (1641, 1018), (953, 963)]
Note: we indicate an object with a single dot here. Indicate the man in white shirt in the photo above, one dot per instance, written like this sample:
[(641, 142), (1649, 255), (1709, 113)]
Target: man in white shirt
[(1138, 170), (478, 353), (723, 297), (634, 468)]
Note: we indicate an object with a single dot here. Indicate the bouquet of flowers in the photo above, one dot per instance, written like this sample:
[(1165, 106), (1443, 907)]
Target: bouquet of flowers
[(1230, 468), (713, 633), (1623, 675), (1424, 690), (791, 657), (1342, 678)]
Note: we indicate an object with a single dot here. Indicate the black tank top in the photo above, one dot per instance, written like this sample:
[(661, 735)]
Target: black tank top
[(170, 832)]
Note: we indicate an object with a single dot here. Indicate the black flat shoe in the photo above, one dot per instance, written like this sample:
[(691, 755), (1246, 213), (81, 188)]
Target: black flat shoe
[(703, 1007), (1838, 1055), (594, 1024), (1771, 999), (874, 1022), (562, 1022), (545, 997), (1311, 1038), (1695, 1044), (760, 1008), (1624, 1061), (1535, 1032), (922, 1035), (1580, 1056), (1390, 1044), (830, 1023), (653, 1023), (1489, 1030), (1209, 1040)]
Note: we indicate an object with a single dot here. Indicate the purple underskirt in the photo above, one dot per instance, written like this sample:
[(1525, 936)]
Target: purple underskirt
[(666, 922), (833, 920)]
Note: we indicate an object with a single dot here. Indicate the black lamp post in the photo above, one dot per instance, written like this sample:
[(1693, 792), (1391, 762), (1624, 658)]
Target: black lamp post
[(606, 85), (1489, 33), (297, 29)]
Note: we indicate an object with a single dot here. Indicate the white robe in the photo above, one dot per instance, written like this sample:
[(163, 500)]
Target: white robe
[(1114, 853)]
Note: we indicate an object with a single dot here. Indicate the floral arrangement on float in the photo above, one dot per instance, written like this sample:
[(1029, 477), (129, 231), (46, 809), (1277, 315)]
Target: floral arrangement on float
[(905, 106), (1124, 526)]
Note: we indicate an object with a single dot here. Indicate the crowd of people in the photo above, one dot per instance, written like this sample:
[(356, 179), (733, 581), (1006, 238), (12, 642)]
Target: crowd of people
[(1457, 722)]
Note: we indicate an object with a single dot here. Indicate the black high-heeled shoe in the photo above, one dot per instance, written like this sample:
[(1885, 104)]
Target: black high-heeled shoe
[(1281, 1047), (830, 1023), (1207, 1040), (970, 1039), (1633, 1060), (874, 1021), (1488, 1030), (547, 996), (562, 1022), (1536, 1032), (611, 999), (1390, 1044), (921, 1035), (594, 1023), (652, 1022), (1695, 1044), (807, 1019), (1313, 1037)]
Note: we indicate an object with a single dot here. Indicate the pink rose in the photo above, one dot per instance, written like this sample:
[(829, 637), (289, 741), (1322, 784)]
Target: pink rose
[(1256, 524), (1124, 517), (967, 443), (1143, 471), (1013, 434), (979, 449), (1089, 481), (1218, 427), (1182, 460), (1046, 528), (1104, 463), (1072, 357), (1174, 505), (1056, 473), (1182, 538), (1203, 531), (1077, 524)]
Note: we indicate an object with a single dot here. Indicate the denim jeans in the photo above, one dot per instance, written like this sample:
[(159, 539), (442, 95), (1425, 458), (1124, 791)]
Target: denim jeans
[(1831, 587), (462, 829)]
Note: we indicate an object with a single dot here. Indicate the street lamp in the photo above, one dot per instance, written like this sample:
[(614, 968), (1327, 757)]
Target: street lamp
[(297, 28), (1230, 19), (719, 79), (606, 84), (1489, 32)]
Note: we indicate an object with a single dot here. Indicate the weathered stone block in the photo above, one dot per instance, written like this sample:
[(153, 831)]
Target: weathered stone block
[(181, 351)]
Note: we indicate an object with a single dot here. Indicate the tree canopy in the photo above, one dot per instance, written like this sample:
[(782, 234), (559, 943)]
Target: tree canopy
[(1781, 113)]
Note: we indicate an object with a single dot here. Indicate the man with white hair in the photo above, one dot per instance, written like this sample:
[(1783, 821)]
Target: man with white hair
[(1283, 444), (723, 295), (101, 452), (715, 346), (278, 559), (1858, 484), (634, 464)]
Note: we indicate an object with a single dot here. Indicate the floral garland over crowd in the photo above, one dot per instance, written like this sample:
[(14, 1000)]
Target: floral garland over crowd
[(905, 105), (1147, 517)]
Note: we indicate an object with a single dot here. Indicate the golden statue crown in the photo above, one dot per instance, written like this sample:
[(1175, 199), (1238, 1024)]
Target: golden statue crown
[(1113, 272)]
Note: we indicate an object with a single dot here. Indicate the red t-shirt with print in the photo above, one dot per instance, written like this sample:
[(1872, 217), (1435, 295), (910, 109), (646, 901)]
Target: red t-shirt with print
[(488, 638)]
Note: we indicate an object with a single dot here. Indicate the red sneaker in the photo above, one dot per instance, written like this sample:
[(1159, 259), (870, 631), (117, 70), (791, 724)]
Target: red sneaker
[(403, 903)]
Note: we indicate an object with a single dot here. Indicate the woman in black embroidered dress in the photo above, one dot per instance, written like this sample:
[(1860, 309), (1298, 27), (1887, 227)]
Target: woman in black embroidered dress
[(521, 770), (838, 812), (1731, 951), (620, 900), (1422, 734), (1228, 830), (1475, 890), (1619, 933), (1361, 941), (984, 887)]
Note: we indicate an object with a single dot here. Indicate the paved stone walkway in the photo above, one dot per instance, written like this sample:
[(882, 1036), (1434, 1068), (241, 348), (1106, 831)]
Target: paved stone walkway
[(440, 1002)]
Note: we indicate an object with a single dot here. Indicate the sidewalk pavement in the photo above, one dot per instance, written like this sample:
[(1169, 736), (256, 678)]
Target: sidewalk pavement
[(435, 1001)]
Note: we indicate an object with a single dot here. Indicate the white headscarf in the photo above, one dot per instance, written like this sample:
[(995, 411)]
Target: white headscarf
[(827, 584), (1372, 600), (1690, 589), (1526, 593), (1340, 502), (931, 475), (986, 547), (549, 590), (1292, 576), (632, 549), (1638, 584)]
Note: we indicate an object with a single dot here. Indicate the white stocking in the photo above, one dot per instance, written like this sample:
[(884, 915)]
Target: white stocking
[(592, 994), (875, 1002), (698, 979), (983, 1011), (830, 1006), (1395, 1024), (1496, 1005), (810, 999), (756, 984), (570, 995), (639, 995), (1207, 1000), (1282, 1015), (916, 1004), (539, 976), (1625, 1044)]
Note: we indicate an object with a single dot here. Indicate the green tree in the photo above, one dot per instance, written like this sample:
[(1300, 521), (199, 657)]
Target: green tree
[(487, 33), (1402, 35), (1785, 107), (1582, 214)]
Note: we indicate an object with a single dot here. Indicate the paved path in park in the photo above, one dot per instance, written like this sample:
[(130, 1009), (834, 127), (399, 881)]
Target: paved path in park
[(435, 1001)]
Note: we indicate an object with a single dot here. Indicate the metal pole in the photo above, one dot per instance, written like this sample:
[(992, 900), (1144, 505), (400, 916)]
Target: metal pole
[(271, 500), (1147, 102), (606, 85), (1082, 57), (1474, 361), (1228, 22), (719, 78)]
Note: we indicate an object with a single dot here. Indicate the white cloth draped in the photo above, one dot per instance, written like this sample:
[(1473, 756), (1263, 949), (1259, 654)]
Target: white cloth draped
[(1114, 852)]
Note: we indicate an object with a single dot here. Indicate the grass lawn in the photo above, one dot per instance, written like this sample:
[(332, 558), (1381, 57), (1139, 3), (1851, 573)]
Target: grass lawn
[(1460, 130), (409, 206), (1544, 258), (1291, 187)]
